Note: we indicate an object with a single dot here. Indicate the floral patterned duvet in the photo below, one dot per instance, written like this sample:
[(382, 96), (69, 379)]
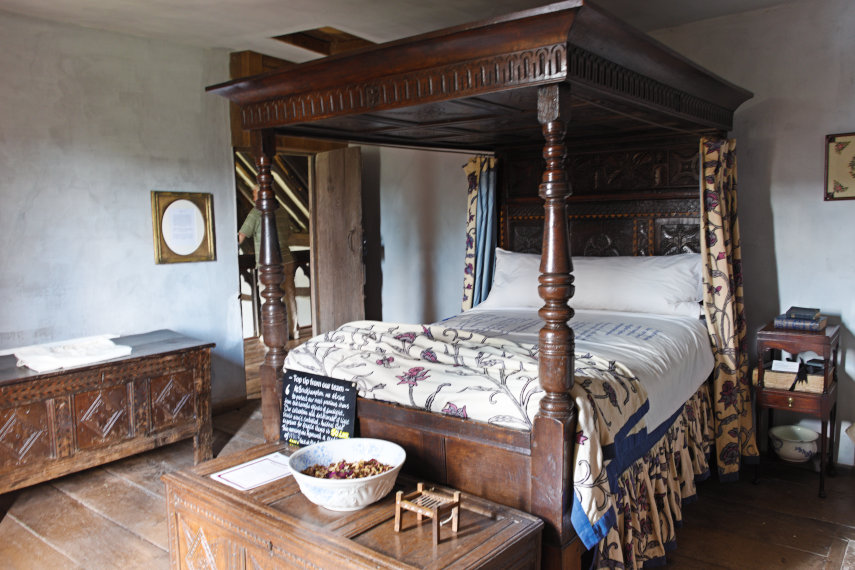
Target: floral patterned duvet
[(494, 380)]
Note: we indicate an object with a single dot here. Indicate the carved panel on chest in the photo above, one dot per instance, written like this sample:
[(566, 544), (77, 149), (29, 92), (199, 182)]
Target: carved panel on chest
[(172, 399), (58, 422), (209, 548), (24, 434), (102, 417)]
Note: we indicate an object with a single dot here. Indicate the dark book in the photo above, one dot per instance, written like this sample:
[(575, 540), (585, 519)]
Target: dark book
[(784, 322), (802, 313)]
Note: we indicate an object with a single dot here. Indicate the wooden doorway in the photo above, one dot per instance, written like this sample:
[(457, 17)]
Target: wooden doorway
[(321, 195), (291, 173), (338, 265)]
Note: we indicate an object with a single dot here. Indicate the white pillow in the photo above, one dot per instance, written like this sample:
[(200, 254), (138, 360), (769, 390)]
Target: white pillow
[(514, 282), (666, 285)]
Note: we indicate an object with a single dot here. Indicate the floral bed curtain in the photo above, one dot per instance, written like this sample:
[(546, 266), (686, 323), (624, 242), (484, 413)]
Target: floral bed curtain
[(480, 230), (724, 308), (651, 493)]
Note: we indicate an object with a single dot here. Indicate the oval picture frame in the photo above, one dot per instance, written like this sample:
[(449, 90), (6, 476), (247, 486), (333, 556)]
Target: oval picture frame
[(183, 226)]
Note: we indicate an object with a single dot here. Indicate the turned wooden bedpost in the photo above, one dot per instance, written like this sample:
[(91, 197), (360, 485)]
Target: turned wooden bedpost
[(274, 328), (554, 426)]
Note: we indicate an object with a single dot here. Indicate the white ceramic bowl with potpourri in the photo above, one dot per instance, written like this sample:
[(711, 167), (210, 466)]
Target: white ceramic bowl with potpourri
[(347, 494)]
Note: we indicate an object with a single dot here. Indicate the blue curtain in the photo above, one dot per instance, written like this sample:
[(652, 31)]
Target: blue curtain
[(485, 233)]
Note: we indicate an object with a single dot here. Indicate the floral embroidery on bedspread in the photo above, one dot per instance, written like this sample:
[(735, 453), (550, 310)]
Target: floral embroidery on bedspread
[(494, 380)]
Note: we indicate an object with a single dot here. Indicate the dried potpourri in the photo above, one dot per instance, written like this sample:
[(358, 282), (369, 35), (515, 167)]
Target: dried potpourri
[(346, 469)]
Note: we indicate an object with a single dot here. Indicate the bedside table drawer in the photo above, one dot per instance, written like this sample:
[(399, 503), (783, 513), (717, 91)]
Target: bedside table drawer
[(796, 401)]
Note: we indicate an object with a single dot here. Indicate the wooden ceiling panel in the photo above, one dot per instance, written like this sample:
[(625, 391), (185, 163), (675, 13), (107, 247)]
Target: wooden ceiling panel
[(444, 112), (326, 40)]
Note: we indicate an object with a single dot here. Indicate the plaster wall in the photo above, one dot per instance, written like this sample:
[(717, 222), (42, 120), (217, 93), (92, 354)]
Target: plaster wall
[(92, 122), (797, 60), (418, 200)]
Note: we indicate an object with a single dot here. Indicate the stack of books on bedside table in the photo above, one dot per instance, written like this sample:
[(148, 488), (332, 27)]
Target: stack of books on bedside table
[(801, 319)]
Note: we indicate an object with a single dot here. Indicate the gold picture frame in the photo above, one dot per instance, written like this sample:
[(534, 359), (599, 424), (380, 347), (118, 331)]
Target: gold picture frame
[(183, 224), (840, 166)]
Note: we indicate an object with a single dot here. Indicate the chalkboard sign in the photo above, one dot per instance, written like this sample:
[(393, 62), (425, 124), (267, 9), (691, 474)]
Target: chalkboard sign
[(316, 408)]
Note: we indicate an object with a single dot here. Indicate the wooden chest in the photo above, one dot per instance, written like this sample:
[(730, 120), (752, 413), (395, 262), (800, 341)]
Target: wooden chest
[(56, 423), (212, 525)]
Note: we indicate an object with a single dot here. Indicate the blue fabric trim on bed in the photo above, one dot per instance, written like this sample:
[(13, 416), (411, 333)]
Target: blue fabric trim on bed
[(657, 562), (624, 444), (631, 448), (688, 501), (751, 459), (588, 533), (728, 477), (633, 420), (626, 450), (661, 561), (671, 545)]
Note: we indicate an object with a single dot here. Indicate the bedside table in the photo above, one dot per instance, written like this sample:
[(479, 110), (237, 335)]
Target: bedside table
[(820, 405)]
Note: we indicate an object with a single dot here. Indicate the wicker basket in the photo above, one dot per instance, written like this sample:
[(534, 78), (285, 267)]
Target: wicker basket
[(783, 381)]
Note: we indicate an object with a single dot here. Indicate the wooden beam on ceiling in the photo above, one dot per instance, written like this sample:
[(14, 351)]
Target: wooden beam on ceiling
[(325, 41)]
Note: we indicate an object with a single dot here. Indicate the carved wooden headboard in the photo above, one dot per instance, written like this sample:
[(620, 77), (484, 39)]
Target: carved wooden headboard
[(637, 198)]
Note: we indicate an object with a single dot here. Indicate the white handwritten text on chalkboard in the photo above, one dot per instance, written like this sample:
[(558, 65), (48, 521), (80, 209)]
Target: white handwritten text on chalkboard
[(316, 408)]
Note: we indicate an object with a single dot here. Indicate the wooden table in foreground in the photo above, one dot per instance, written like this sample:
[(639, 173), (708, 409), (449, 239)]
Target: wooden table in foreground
[(212, 525), (56, 423)]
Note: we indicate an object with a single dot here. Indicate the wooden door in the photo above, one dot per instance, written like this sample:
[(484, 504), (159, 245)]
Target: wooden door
[(338, 273)]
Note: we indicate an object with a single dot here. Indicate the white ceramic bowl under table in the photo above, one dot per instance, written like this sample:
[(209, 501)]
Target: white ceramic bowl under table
[(794, 443), (347, 494)]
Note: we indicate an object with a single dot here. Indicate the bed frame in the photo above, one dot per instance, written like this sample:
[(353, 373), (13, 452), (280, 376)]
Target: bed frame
[(532, 87)]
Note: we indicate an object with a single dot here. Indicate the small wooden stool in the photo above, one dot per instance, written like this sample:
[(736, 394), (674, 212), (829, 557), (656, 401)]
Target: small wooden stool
[(430, 504)]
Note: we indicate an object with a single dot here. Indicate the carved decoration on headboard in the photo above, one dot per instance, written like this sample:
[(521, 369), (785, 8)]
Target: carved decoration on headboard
[(633, 170), (643, 231), (528, 239), (672, 166), (676, 237), (649, 233), (683, 167), (627, 170), (629, 200), (600, 245)]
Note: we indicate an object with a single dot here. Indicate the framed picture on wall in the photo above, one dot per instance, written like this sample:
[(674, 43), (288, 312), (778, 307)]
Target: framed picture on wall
[(840, 166), (183, 224)]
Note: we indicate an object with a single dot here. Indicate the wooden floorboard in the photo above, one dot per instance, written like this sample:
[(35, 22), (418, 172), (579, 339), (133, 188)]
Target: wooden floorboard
[(779, 522), (114, 516), (22, 548), (254, 352), (81, 534), (849, 555), (120, 501)]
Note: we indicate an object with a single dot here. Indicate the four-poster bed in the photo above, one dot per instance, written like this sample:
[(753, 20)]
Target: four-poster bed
[(566, 78)]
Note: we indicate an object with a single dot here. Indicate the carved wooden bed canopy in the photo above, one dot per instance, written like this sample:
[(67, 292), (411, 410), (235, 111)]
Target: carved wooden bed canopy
[(475, 87), (566, 75)]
